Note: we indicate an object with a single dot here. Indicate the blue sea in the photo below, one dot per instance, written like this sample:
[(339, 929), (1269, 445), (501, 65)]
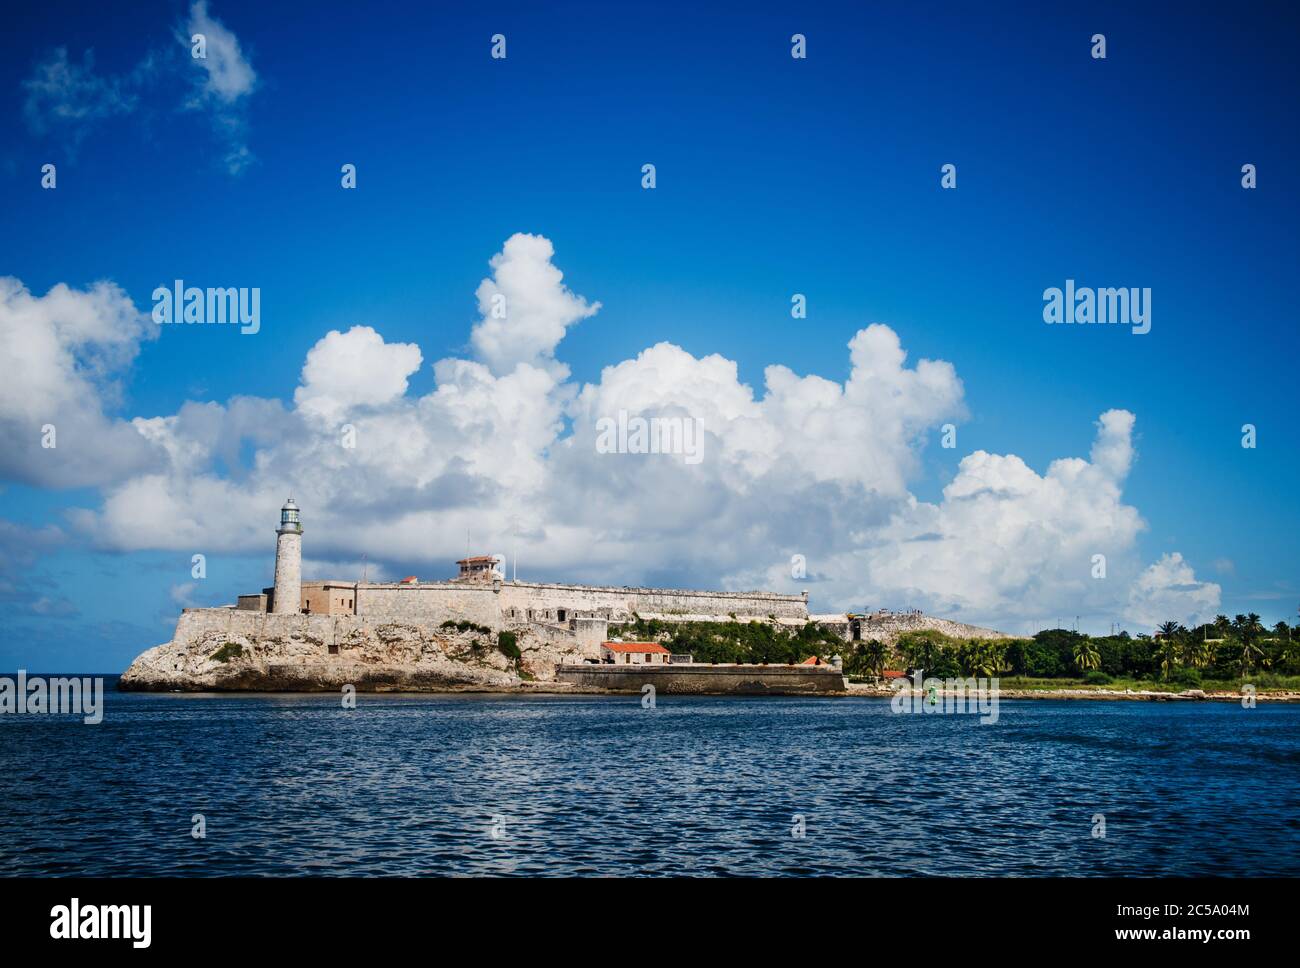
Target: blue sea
[(510, 785)]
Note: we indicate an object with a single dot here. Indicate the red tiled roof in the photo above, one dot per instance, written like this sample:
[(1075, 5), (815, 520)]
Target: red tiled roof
[(409, 580), (636, 647), (812, 660), (893, 674)]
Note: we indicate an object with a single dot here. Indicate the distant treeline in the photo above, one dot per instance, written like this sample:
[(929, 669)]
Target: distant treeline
[(1220, 650), (735, 641)]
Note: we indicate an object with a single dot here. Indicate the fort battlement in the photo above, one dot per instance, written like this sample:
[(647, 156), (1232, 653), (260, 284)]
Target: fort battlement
[(481, 595)]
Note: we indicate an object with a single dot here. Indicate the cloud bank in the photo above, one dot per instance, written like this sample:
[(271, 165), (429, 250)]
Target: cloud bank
[(502, 455)]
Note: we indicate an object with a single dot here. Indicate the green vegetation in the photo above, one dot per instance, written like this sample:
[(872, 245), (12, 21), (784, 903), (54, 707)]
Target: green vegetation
[(231, 650), (1219, 655), (736, 641), (464, 626), (508, 646)]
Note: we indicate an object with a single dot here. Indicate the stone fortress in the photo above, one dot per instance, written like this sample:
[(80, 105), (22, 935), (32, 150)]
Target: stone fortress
[(583, 613), (413, 634), (579, 614)]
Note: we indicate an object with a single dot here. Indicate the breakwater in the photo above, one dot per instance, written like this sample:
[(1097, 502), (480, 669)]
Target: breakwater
[(708, 680)]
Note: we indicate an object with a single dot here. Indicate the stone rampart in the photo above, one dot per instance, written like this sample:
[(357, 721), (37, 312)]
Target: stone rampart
[(748, 680), (431, 603), (544, 600)]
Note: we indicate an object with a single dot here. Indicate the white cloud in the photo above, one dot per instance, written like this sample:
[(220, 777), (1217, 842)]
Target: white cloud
[(228, 74), (224, 78), (63, 94), (63, 353), (66, 98), (525, 308), (1168, 590), (354, 369), (501, 453)]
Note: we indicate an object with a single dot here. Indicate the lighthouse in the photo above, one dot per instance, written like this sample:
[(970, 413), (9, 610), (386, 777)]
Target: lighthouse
[(288, 562)]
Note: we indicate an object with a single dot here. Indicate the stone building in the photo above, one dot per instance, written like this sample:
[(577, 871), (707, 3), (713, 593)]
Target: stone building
[(634, 653), (567, 614), (480, 594), (479, 568)]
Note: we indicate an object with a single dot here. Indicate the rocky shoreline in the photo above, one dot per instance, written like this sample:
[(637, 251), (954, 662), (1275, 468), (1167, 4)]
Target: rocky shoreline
[(324, 655), (225, 650)]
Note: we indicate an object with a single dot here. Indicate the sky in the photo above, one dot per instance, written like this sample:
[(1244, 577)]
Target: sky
[(438, 347)]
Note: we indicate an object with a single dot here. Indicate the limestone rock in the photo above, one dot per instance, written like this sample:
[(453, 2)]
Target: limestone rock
[(227, 649)]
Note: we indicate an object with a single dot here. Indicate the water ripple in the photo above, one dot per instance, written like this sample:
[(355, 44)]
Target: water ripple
[(590, 786)]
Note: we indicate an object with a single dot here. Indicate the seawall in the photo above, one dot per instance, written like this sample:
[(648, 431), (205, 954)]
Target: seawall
[(747, 680)]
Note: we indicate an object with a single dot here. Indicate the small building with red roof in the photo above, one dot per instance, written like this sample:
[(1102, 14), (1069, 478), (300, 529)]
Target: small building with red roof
[(634, 653)]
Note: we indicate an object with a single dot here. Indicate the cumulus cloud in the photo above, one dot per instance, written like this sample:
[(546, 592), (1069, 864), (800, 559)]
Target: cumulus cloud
[(64, 353), (524, 307), (1168, 590), (501, 455), (1006, 541), (353, 369)]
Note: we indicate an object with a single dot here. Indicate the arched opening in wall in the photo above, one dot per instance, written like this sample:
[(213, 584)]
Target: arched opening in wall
[(561, 614), (334, 649), (856, 627)]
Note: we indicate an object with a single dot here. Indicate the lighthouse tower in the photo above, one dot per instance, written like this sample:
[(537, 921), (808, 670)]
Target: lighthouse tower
[(288, 562)]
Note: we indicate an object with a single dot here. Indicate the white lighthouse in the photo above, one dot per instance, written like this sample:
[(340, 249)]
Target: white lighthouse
[(288, 562)]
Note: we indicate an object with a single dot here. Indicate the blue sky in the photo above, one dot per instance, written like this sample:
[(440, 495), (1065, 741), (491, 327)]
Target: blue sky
[(774, 176)]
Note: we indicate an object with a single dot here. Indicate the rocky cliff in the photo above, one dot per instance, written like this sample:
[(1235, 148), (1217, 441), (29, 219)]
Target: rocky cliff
[(228, 649), (887, 627)]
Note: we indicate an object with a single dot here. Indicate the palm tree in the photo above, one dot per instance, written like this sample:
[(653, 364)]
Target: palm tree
[(981, 658), (1168, 656), (997, 656), (1289, 654), (1171, 629), (1199, 652), (921, 654), (1170, 635), (876, 654), (1247, 628), (1249, 653), (1086, 655)]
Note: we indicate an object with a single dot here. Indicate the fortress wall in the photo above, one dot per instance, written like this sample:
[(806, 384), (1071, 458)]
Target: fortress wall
[(235, 623), (544, 599), (752, 680), (430, 605), (585, 637)]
